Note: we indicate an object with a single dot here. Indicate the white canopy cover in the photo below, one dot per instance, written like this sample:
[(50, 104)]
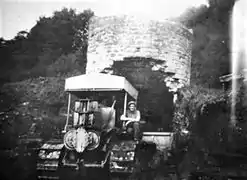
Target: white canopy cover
[(99, 82)]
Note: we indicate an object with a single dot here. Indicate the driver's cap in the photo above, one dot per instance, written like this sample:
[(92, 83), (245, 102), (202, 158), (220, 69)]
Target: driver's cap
[(132, 102)]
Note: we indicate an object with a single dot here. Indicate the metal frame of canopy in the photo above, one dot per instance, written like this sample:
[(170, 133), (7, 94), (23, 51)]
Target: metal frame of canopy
[(98, 82)]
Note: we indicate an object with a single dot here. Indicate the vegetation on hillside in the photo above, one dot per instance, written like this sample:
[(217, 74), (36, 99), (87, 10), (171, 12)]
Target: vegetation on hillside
[(211, 140), (55, 45), (56, 48), (211, 44)]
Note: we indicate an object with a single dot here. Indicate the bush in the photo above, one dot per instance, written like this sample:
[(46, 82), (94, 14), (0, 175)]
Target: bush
[(65, 64), (206, 114), (191, 103)]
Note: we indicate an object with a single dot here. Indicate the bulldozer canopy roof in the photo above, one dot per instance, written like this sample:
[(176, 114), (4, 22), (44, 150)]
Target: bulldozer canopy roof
[(99, 82)]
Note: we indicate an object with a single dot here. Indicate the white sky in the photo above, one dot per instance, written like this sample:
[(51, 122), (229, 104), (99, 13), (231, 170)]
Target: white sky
[(17, 15)]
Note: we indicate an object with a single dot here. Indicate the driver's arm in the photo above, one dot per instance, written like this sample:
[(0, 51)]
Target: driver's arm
[(124, 118), (137, 119)]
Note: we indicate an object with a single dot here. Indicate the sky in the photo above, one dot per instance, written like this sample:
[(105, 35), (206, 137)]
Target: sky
[(18, 15)]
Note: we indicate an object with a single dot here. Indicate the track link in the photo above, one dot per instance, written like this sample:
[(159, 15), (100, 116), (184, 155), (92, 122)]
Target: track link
[(48, 161)]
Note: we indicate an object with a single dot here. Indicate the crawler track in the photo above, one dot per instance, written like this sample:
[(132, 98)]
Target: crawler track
[(48, 160)]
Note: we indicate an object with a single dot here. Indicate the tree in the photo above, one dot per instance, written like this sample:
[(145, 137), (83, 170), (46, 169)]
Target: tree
[(64, 33), (61, 35), (80, 41)]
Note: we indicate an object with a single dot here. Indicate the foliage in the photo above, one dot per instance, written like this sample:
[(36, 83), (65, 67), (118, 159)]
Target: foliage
[(211, 45), (191, 103), (64, 35), (206, 114), (66, 63), (40, 89)]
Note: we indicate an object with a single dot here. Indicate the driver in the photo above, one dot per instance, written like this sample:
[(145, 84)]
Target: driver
[(132, 114)]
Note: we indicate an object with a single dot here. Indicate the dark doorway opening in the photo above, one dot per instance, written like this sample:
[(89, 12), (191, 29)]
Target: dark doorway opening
[(155, 101)]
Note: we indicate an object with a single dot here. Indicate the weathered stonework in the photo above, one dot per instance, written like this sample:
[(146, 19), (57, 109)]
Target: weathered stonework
[(118, 37)]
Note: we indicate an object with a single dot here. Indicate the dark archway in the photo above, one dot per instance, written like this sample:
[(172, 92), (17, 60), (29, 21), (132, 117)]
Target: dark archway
[(155, 101)]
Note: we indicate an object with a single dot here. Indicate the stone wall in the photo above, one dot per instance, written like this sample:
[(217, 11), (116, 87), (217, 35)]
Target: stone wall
[(115, 38)]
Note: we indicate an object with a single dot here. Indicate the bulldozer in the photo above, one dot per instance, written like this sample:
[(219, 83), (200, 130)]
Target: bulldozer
[(95, 142)]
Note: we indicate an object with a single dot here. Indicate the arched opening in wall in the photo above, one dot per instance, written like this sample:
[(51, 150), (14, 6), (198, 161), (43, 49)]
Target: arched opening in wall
[(155, 102)]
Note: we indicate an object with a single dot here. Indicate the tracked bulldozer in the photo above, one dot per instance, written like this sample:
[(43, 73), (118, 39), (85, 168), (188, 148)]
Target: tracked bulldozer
[(95, 142)]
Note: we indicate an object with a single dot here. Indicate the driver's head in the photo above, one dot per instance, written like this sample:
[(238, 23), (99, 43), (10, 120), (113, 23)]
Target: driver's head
[(132, 105)]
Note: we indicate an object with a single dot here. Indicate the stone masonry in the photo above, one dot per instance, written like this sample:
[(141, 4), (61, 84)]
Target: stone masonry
[(118, 37)]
